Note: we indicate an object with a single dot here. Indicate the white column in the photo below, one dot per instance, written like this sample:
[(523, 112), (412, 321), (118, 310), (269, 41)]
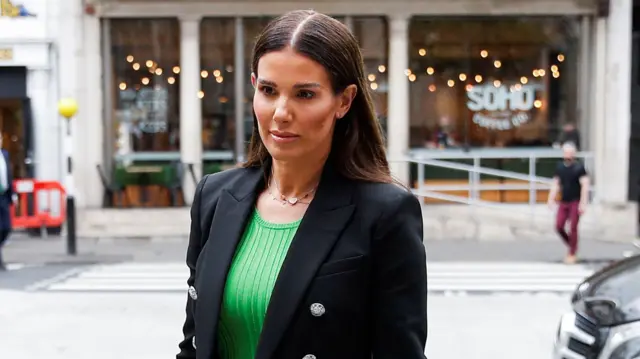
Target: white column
[(190, 106), (618, 102), (598, 110), (348, 21), (398, 96), (45, 122), (88, 135), (584, 81), (239, 78), (69, 46)]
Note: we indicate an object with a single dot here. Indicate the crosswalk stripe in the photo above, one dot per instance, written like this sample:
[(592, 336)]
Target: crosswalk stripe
[(15, 266), (505, 277), (123, 277), (442, 277), (20, 266)]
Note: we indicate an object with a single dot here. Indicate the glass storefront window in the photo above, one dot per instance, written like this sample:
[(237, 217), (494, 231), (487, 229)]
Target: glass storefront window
[(217, 40), (252, 28), (491, 82), (145, 59), (373, 36)]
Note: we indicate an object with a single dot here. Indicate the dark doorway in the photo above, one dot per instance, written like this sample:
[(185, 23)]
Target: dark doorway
[(16, 121)]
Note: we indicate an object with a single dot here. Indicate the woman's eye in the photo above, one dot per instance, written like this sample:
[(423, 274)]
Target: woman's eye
[(306, 94), (267, 90)]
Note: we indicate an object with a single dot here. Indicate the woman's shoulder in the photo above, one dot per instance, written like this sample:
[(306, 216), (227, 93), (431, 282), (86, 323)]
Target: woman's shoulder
[(215, 182), (391, 209), (385, 196)]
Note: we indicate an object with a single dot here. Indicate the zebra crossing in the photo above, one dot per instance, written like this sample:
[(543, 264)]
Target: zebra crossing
[(443, 278), (120, 277), (505, 277), (15, 266)]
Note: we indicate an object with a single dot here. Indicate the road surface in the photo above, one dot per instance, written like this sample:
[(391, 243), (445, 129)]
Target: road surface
[(479, 310), (45, 325)]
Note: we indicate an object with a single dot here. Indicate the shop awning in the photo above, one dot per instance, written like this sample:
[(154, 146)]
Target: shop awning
[(151, 8)]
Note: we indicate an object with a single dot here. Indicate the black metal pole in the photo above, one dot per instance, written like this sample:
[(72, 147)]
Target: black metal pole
[(71, 226), (71, 204)]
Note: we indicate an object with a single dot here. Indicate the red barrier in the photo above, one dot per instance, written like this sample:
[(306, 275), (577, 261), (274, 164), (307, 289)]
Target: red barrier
[(40, 204)]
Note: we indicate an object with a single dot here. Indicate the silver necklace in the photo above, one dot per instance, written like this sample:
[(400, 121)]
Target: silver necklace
[(289, 200)]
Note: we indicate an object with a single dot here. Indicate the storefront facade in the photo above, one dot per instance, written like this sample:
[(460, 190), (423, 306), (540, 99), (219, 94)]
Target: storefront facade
[(493, 73), (30, 127)]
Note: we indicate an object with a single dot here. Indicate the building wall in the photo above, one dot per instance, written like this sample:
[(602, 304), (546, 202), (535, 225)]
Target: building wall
[(49, 39), (31, 38), (606, 69), (612, 102), (80, 64)]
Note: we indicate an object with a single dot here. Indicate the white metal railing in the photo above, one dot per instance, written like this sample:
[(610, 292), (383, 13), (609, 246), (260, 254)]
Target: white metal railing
[(474, 185), (531, 181)]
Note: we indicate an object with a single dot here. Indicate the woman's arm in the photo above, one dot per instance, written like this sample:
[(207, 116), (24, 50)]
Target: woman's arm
[(400, 282), (187, 350)]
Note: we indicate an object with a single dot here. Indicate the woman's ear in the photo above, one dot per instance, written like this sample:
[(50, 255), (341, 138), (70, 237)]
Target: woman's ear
[(346, 99), (253, 80)]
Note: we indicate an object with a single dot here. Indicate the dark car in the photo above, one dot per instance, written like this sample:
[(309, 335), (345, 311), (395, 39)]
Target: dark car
[(605, 320)]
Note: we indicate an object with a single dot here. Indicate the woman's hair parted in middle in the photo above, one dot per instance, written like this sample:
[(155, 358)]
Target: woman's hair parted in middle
[(358, 148)]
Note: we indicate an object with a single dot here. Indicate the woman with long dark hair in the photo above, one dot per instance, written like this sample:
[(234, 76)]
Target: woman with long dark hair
[(309, 250)]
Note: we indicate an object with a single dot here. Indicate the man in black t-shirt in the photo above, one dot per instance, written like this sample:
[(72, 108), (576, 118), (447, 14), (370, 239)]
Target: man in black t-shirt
[(572, 181)]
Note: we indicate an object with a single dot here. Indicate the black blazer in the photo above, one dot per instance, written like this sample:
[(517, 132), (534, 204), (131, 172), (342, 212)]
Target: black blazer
[(358, 252)]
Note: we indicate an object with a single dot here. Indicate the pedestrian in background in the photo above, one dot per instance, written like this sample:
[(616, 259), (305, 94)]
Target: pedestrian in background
[(569, 134), (572, 182), (6, 198), (310, 250)]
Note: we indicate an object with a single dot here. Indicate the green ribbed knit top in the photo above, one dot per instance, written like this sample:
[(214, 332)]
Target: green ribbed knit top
[(250, 281)]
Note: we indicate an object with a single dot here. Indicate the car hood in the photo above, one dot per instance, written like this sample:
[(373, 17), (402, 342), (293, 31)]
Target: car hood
[(611, 296)]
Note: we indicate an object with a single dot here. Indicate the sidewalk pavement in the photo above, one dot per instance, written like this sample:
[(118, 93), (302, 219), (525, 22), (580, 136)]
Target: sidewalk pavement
[(52, 250), (589, 251)]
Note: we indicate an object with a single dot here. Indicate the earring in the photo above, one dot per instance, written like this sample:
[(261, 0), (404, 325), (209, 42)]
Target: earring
[(339, 116)]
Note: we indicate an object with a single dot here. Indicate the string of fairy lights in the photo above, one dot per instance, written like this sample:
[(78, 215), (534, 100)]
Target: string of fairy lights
[(463, 77), (153, 68), (157, 75)]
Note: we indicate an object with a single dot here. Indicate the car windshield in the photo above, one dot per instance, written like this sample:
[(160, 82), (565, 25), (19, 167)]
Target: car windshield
[(620, 282)]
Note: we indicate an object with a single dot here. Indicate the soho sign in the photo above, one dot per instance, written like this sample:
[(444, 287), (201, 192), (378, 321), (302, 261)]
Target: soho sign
[(501, 108)]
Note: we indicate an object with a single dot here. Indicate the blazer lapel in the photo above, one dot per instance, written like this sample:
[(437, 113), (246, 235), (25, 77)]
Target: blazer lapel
[(232, 211), (321, 226)]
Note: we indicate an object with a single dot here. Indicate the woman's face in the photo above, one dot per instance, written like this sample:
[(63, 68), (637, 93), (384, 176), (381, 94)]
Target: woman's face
[(296, 107)]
